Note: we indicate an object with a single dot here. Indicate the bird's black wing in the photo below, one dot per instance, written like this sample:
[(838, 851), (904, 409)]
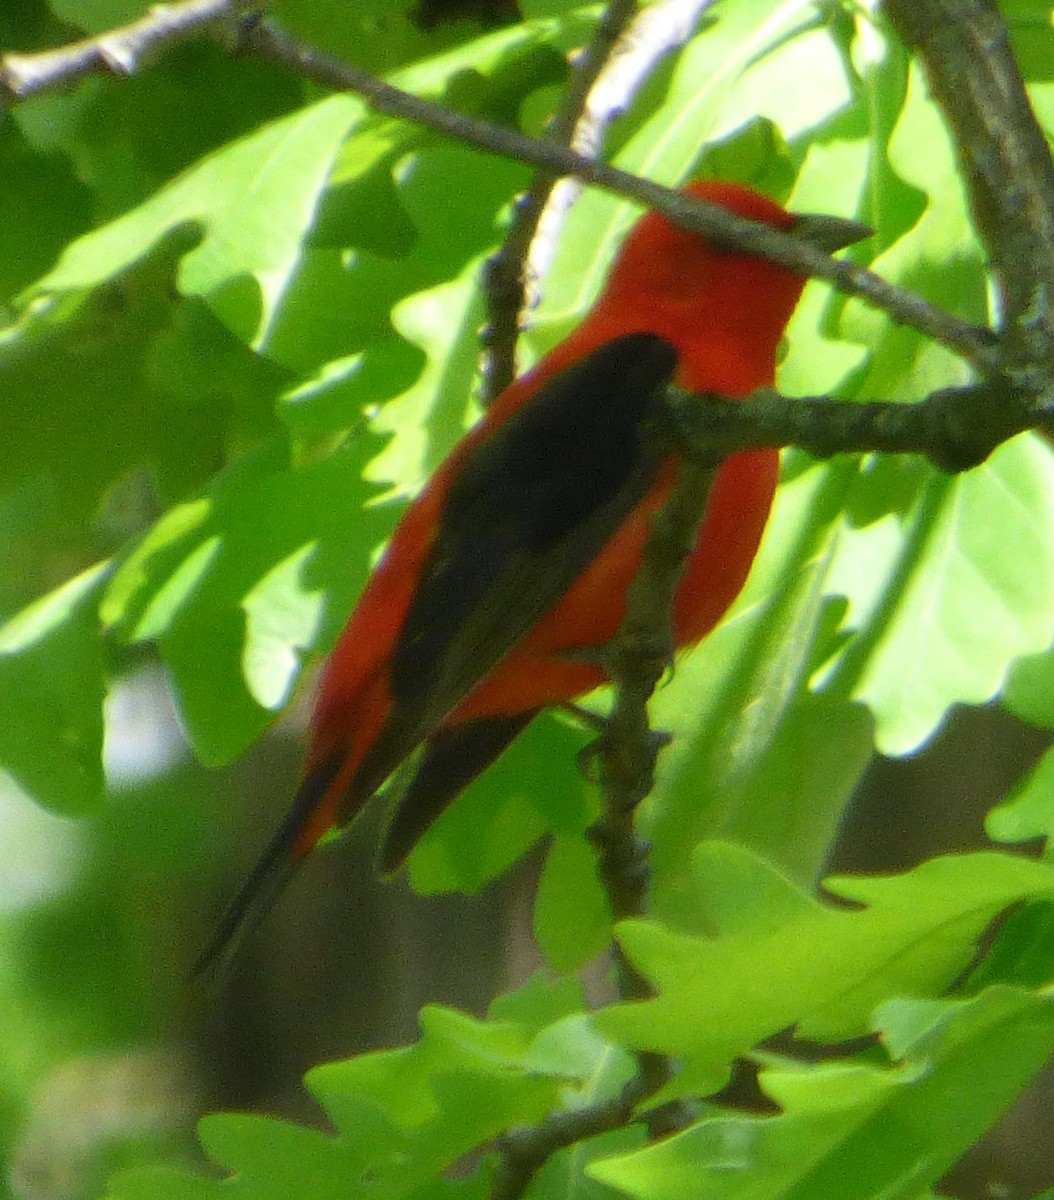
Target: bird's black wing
[(530, 509)]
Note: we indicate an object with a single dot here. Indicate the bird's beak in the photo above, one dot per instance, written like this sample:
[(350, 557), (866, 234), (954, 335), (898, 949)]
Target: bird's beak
[(829, 233)]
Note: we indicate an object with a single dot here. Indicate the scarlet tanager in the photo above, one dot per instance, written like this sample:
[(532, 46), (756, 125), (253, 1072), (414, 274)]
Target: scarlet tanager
[(518, 553)]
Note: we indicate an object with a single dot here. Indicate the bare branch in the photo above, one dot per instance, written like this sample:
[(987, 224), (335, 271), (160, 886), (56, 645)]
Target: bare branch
[(635, 662), (507, 277), (975, 343), (627, 749), (524, 1151), (1006, 164), (956, 429), (119, 52), (611, 69)]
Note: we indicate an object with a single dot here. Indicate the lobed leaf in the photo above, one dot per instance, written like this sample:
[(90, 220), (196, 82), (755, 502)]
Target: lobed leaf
[(855, 1131), (776, 957)]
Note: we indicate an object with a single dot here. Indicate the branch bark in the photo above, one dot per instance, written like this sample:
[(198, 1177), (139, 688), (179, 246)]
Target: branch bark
[(975, 343), (120, 52), (964, 48), (956, 429), (621, 56), (507, 276)]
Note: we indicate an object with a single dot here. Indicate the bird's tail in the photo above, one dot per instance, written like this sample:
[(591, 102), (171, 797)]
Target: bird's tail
[(268, 879), (451, 760)]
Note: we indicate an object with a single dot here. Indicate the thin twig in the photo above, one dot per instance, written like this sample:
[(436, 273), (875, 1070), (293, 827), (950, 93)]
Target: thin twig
[(975, 343), (622, 54), (119, 52), (524, 1151), (628, 748), (635, 662), (507, 278)]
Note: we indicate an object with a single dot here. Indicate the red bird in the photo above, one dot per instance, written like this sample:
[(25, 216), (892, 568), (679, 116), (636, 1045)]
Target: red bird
[(519, 551)]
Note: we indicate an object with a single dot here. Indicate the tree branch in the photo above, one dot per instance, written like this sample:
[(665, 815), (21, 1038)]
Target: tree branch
[(956, 429), (611, 69), (507, 278), (119, 52), (975, 343), (628, 749), (525, 1151), (635, 663), (965, 51)]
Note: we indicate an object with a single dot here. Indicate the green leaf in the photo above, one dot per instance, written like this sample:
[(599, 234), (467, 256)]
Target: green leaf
[(235, 601), (1021, 951), (51, 693), (972, 588), (948, 581), (98, 16), (866, 567), (42, 206), (160, 1183), (341, 302), (538, 1002), (767, 88), (254, 201), (1029, 691), (850, 1131), (938, 256), (125, 139), (429, 417), (442, 319), (101, 426), (778, 957), (402, 1118), (572, 920), (1028, 812), (735, 710), (566, 1174), (380, 35)]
